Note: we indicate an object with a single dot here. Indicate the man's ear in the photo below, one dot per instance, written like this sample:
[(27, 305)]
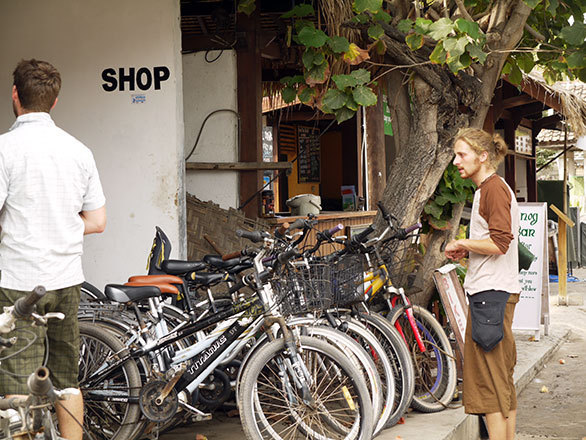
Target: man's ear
[(483, 156), (14, 94), (55, 103)]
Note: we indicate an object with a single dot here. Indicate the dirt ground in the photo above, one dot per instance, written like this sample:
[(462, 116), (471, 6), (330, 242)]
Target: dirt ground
[(560, 412)]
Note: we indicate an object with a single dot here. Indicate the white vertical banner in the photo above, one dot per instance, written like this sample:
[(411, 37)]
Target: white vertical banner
[(533, 234)]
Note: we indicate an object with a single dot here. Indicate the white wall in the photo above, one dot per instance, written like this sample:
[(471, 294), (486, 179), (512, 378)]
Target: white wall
[(209, 86), (138, 147)]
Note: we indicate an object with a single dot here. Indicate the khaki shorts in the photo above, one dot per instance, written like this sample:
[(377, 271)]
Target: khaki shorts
[(62, 338), (488, 376)]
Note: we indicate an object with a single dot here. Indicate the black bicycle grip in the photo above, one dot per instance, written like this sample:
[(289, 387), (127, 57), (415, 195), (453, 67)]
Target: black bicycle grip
[(359, 238), (383, 211), (23, 307), (283, 257), (236, 287), (254, 236), (297, 224)]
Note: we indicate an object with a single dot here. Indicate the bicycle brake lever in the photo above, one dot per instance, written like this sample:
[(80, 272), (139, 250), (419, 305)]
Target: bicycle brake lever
[(44, 318)]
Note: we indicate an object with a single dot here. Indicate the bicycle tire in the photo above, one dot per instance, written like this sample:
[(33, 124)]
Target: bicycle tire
[(97, 347), (400, 358), (356, 354), (261, 380), (435, 369)]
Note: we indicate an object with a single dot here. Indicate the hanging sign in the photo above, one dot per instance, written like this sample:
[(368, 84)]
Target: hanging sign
[(534, 281)]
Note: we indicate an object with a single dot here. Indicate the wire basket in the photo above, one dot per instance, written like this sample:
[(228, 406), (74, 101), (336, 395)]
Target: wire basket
[(403, 260), (303, 288), (348, 280)]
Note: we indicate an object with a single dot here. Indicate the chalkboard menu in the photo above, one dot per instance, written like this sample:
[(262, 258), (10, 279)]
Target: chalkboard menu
[(308, 150)]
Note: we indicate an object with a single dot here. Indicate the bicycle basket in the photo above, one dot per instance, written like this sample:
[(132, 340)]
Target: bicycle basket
[(348, 280), (403, 260), (303, 288)]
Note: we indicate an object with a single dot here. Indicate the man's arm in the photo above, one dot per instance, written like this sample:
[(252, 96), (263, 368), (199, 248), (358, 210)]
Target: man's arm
[(94, 221), (459, 248)]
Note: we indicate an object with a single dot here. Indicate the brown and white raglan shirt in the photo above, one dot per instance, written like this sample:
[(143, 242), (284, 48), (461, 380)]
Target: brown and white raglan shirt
[(495, 215)]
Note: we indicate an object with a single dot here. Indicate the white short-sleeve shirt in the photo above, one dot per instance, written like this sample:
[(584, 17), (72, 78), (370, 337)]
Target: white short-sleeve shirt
[(47, 177)]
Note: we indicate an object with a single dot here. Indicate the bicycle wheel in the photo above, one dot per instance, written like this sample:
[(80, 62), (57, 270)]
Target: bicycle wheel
[(271, 406), (107, 419), (400, 358), (435, 368), (358, 356)]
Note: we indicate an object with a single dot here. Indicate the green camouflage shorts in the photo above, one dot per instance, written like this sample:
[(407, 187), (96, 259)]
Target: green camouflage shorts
[(62, 338)]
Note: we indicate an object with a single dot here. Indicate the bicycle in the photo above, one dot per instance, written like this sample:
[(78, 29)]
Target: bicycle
[(307, 407), (29, 416)]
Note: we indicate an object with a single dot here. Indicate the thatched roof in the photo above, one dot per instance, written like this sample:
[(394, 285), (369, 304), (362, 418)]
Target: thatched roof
[(567, 98)]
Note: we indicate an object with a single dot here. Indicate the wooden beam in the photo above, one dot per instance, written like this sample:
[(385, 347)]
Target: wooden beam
[(548, 122), (561, 215), (249, 90), (238, 166), (517, 101), (375, 153), (540, 93)]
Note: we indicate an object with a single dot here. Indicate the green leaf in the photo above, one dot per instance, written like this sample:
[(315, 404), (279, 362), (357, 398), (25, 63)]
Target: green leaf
[(422, 25), (339, 44), (362, 76), (367, 5), (246, 6), (311, 37), (360, 18), (307, 58), (576, 60), (441, 28), (286, 80), (469, 27), (306, 95), (532, 3), (559, 66), (300, 24), (433, 209), (459, 63), (343, 81), (575, 34), (288, 94), (438, 56), (382, 16), (441, 200), (405, 26), (516, 76), (439, 224), (364, 96), (552, 6), (581, 75), (335, 99), (550, 76), (344, 114), (477, 53), (380, 47), (317, 74), (376, 31), (507, 68), (455, 47), (300, 11), (414, 41), (526, 62), (351, 104)]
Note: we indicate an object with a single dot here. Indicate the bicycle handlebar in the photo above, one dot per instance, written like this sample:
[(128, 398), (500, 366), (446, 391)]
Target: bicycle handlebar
[(23, 307), (362, 236), (283, 257), (254, 236)]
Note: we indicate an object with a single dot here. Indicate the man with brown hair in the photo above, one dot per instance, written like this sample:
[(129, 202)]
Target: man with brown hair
[(50, 196), (492, 283)]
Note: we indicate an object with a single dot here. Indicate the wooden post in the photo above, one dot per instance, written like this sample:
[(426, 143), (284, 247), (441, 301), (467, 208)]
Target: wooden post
[(249, 81), (375, 153), (563, 222)]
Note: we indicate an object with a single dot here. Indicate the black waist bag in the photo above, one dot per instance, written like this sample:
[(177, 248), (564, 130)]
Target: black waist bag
[(487, 312)]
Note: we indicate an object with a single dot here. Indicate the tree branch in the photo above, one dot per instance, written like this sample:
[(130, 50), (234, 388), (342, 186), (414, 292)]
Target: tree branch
[(463, 10), (538, 36)]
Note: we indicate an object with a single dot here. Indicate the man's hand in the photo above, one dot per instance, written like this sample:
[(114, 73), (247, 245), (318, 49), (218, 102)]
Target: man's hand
[(455, 251)]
